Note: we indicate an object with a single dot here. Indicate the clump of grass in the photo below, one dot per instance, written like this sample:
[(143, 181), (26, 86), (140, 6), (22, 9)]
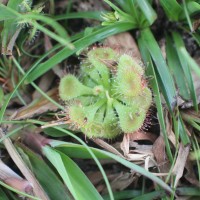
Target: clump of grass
[(111, 96)]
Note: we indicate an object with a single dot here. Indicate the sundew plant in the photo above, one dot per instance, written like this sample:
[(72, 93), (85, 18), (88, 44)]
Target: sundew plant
[(110, 97)]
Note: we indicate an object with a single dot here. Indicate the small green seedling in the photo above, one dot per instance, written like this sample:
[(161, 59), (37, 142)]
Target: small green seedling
[(110, 97)]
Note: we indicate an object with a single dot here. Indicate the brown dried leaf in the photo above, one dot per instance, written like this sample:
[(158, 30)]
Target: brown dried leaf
[(140, 135), (139, 153), (125, 144), (180, 162), (122, 181), (160, 155), (44, 84), (169, 130), (190, 175), (107, 146), (124, 42), (38, 107)]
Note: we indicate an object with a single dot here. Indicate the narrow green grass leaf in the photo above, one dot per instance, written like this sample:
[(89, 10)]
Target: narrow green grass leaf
[(53, 185), (83, 15), (76, 181), (94, 158), (187, 16), (188, 191), (77, 150), (126, 7), (185, 62), (192, 64), (6, 15), (152, 195), (9, 97), (193, 7), (183, 134), (154, 84), (176, 69), (147, 10), (31, 18), (3, 196), (63, 37), (80, 44), (166, 81), (125, 163), (172, 9), (125, 194)]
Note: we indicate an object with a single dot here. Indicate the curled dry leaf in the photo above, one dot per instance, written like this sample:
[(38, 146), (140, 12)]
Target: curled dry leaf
[(135, 152)]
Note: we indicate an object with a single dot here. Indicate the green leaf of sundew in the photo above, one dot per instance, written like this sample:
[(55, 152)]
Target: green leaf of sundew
[(142, 101), (76, 115), (89, 75), (90, 111), (70, 87), (127, 61), (78, 184), (101, 59), (95, 128), (110, 124), (130, 118), (128, 82)]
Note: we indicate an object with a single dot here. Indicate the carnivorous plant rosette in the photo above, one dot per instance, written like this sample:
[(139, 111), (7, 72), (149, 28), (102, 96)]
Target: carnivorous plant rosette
[(110, 97)]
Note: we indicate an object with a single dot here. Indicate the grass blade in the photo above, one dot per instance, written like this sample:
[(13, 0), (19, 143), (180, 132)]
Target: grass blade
[(127, 164), (179, 44), (155, 87), (76, 181), (53, 185), (79, 45), (176, 69), (172, 8), (147, 10), (166, 81)]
